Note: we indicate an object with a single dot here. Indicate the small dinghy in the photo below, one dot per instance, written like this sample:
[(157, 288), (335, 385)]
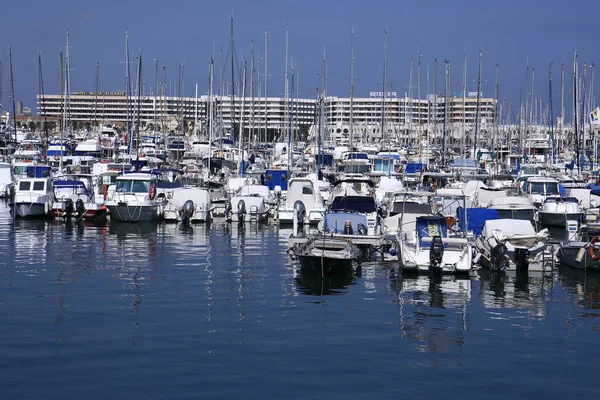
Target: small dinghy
[(325, 255)]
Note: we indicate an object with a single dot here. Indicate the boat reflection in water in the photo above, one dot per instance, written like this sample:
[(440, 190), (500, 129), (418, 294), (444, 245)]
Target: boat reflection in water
[(525, 292), (331, 284), (584, 286), (432, 312)]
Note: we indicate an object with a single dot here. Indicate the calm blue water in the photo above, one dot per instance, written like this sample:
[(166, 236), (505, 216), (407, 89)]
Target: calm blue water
[(161, 311)]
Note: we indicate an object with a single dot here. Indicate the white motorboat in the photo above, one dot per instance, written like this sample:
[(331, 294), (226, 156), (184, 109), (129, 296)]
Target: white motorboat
[(301, 190), (513, 207), (134, 199), (33, 198), (513, 245), (556, 211), (189, 204)]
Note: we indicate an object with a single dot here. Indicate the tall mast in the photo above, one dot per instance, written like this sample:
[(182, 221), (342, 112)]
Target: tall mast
[(289, 133), (446, 110), (435, 99), (232, 51), (383, 85), (561, 120), (12, 92), (196, 113), (156, 95), (241, 123), (252, 83), (128, 94), (286, 99), (96, 78), (44, 127), (551, 116), (67, 89), (139, 105), (495, 145), (266, 80), (464, 105), (575, 105), (351, 88), (419, 104), (477, 106), (408, 107)]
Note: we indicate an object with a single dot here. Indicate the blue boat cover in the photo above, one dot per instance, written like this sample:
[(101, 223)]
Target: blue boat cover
[(413, 168), (476, 218), (430, 226)]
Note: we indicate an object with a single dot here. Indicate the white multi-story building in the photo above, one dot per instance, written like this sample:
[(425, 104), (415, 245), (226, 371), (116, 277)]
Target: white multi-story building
[(402, 117)]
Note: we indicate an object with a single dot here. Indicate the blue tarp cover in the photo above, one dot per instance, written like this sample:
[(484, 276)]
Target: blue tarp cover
[(476, 218)]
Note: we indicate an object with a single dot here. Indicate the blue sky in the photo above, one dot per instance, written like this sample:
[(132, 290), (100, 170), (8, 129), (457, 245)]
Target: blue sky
[(511, 33)]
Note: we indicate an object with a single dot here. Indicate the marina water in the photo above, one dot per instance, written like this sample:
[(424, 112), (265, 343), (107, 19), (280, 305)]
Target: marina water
[(220, 311)]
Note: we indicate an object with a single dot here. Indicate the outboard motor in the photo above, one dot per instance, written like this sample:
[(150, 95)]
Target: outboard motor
[(299, 212), (228, 210), (362, 229), (187, 211), (241, 210), (69, 208), (522, 259), (80, 207), (436, 252), (498, 257)]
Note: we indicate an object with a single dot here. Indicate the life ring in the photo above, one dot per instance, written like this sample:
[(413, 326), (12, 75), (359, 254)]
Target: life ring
[(152, 192), (56, 157), (591, 252)]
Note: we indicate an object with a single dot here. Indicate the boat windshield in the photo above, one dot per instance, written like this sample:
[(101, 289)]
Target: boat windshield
[(132, 186), (537, 187)]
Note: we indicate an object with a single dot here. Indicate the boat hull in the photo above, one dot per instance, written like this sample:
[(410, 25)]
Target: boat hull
[(557, 218), (567, 255), (30, 210), (324, 265), (136, 213)]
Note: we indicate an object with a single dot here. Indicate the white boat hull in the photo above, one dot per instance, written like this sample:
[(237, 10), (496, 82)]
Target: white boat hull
[(133, 213)]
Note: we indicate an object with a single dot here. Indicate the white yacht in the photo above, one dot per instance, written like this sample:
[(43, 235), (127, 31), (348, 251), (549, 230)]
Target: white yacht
[(134, 199), (33, 198)]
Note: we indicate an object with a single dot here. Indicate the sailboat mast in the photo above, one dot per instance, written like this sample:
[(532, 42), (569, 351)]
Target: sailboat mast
[(96, 78), (266, 80), (446, 110), (435, 100), (351, 122), (575, 105), (496, 146), (383, 85), (551, 116), (419, 105), (127, 94), (210, 110), (66, 102), (139, 105), (252, 83), (196, 112), (408, 110), (241, 123), (464, 106), (477, 109), (44, 127), (561, 120)]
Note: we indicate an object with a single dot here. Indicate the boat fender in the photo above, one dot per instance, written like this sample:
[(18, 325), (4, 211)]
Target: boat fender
[(580, 255), (591, 251), (152, 192), (105, 191)]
